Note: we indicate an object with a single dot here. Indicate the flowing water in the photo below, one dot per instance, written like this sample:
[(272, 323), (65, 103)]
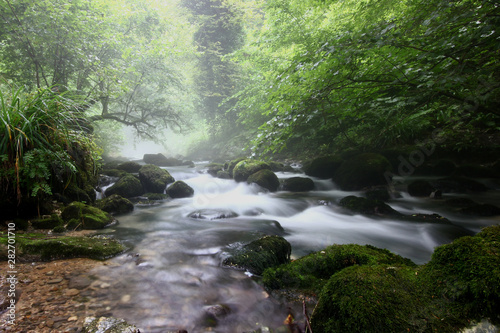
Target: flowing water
[(172, 275)]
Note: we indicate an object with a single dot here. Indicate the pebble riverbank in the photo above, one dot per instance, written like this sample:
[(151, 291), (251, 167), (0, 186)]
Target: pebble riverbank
[(55, 296)]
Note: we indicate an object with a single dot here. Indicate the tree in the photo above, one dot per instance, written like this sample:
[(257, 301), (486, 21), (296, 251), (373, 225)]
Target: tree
[(116, 58), (374, 73)]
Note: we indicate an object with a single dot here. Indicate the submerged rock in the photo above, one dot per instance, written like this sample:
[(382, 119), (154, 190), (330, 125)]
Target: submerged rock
[(108, 325), (323, 167), (212, 214), (420, 188), (154, 179), (367, 206), (266, 252)]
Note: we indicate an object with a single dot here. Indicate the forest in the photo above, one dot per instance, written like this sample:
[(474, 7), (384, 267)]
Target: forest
[(260, 81)]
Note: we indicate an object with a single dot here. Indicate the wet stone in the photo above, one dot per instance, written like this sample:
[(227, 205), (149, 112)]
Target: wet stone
[(79, 282), (55, 281)]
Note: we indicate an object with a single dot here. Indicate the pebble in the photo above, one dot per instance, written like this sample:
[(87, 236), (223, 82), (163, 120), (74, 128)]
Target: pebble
[(71, 292), (49, 273), (73, 318), (55, 281)]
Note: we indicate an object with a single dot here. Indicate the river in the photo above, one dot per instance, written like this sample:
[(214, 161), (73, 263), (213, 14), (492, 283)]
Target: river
[(172, 274)]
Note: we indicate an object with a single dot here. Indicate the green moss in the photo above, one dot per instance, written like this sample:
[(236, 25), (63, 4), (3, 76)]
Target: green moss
[(115, 204), (156, 196), (232, 164), (367, 299), (87, 217), (180, 189), (268, 251), (114, 173), (154, 179), (266, 179), (128, 186), (47, 223), (246, 168), (43, 247), (59, 229), (311, 272)]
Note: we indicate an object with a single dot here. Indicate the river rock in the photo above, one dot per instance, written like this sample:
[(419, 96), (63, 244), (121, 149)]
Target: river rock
[(47, 223), (268, 251), (298, 184), (154, 179), (214, 168), (128, 186), (246, 168), (229, 166), (360, 171), (180, 189), (323, 167), (420, 188), (212, 214), (161, 160), (115, 204), (367, 206), (266, 179), (481, 210), (130, 167), (459, 185), (87, 217), (108, 325)]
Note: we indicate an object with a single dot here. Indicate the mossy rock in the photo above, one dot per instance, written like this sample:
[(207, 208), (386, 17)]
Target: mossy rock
[(107, 325), (223, 175), (362, 171), (127, 187), (180, 189), (311, 272), (214, 168), (130, 167), (156, 196), (88, 217), (323, 167), (246, 168), (156, 159), (114, 173), (367, 206), (266, 252), (298, 184), (43, 247), (420, 188), (459, 185), (74, 193), (481, 210), (381, 194), (465, 276), (47, 223), (265, 178), (369, 299), (276, 166), (21, 224), (154, 179), (115, 204), (232, 164)]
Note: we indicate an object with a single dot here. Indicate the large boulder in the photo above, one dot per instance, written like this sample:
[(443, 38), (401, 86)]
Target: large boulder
[(266, 252), (180, 189), (420, 188), (246, 168), (364, 170), (115, 204), (229, 166), (161, 160), (367, 206), (86, 216), (298, 184), (266, 179), (154, 179), (130, 167), (323, 167), (107, 325), (128, 186)]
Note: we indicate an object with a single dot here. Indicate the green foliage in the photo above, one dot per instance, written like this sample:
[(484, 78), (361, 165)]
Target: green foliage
[(37, 131), (373, 73)]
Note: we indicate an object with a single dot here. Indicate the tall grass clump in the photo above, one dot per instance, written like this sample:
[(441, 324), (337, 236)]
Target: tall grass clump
[(37, 132)]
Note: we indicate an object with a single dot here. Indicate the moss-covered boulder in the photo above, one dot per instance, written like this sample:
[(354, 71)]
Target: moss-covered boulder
[(310, 273), (368, 299), (214, 168), (41, 247), (154, 179), (464, 276), (230, 165), (367, 206), (114, 173), (266, 252), (50, 222), (364, 170), (459, 185), (130, 167), (246, 168), (323, 167), (155, 159), (108, 325), (156, 196), (115, 204), (298, 184), (420, 188), (265, 178), (223, 174), (180, 189), (378, 193), (128, 187), (88, 217), (444, 167)]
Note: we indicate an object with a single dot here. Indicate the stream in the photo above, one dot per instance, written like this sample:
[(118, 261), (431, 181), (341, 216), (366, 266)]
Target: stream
[(172, 276)]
